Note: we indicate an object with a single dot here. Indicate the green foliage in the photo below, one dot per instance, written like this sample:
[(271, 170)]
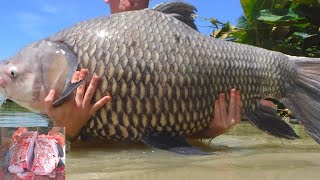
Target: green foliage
[(268, 17), (288, 26)]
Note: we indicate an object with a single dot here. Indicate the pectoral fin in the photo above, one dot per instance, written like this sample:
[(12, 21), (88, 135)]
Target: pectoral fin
[(67, 92), (267, 120), (174, 144)]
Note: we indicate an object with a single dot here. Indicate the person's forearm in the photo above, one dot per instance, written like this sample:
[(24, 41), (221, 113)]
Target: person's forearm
[(72, 132), (72, 129)]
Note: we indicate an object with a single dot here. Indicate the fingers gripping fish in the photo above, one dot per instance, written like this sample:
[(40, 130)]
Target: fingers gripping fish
[(163, 77)]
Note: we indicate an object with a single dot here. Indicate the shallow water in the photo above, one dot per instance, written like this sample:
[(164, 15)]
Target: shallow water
[(13, 115), (243, 153)]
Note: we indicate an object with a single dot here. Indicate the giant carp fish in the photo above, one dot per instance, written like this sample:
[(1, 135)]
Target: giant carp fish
[(163, 76)]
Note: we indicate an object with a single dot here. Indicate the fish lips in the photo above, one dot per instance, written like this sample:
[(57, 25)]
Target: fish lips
[(2, 82)]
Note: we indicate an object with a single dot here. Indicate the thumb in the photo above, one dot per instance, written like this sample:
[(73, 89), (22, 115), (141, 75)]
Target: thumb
[(49, 102)]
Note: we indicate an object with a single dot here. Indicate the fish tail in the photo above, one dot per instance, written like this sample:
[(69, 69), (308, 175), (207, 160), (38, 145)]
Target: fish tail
[(304, 102)]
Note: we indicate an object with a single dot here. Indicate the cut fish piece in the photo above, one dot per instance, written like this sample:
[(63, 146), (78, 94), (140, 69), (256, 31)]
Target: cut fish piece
[(21, 152), (46, 156)]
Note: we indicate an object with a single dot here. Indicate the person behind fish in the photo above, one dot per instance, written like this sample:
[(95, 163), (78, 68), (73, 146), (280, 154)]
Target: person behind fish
[(65, 115)]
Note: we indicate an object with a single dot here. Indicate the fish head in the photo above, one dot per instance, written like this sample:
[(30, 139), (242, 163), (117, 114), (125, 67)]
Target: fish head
[(27, 77), (17, 78)]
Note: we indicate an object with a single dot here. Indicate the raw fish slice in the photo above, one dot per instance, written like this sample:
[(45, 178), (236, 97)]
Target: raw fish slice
[(18, 133), (21, 152), (46, 156)]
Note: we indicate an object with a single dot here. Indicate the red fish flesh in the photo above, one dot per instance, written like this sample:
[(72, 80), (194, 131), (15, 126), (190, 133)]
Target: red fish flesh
[(21, 152), (46, 155)]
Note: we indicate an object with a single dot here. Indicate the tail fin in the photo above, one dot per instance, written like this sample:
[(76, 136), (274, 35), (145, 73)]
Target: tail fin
[(305, 101)]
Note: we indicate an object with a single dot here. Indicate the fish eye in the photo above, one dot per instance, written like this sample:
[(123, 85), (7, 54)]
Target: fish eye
[(13, 72)]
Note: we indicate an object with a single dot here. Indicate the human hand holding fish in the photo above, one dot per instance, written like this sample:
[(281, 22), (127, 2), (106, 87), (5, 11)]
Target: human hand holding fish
[(65, 116), (223, 119), (161, 95)]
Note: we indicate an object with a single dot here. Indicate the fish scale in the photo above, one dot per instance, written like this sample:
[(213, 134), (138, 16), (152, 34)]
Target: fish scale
[(163, 76)]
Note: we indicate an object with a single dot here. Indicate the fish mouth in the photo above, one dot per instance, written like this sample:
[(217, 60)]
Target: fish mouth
[(5, 95), (2, 82)]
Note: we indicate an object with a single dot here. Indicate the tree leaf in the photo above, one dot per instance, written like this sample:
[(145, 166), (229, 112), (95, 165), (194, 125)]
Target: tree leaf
[(215, 22), (266, 15), (248, 7), (251, 8), (224, 32), (288, 26)]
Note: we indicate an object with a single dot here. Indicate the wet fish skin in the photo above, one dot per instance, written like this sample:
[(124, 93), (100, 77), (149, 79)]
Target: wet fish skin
[(164, 77)]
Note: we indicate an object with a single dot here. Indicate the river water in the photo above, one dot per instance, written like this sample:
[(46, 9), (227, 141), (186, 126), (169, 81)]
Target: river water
[(242, 153)]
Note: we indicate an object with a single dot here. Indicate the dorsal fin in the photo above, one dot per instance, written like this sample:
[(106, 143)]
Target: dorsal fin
[(179, 10)]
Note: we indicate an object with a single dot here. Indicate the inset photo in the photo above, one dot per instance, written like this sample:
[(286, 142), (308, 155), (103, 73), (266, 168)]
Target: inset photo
[(32, 153)]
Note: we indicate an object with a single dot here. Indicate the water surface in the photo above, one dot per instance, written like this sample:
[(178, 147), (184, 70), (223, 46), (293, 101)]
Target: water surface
[(243, 153), (13, 115)]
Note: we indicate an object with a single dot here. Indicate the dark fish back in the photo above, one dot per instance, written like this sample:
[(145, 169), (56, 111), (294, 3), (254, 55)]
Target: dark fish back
[(164, 76)]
